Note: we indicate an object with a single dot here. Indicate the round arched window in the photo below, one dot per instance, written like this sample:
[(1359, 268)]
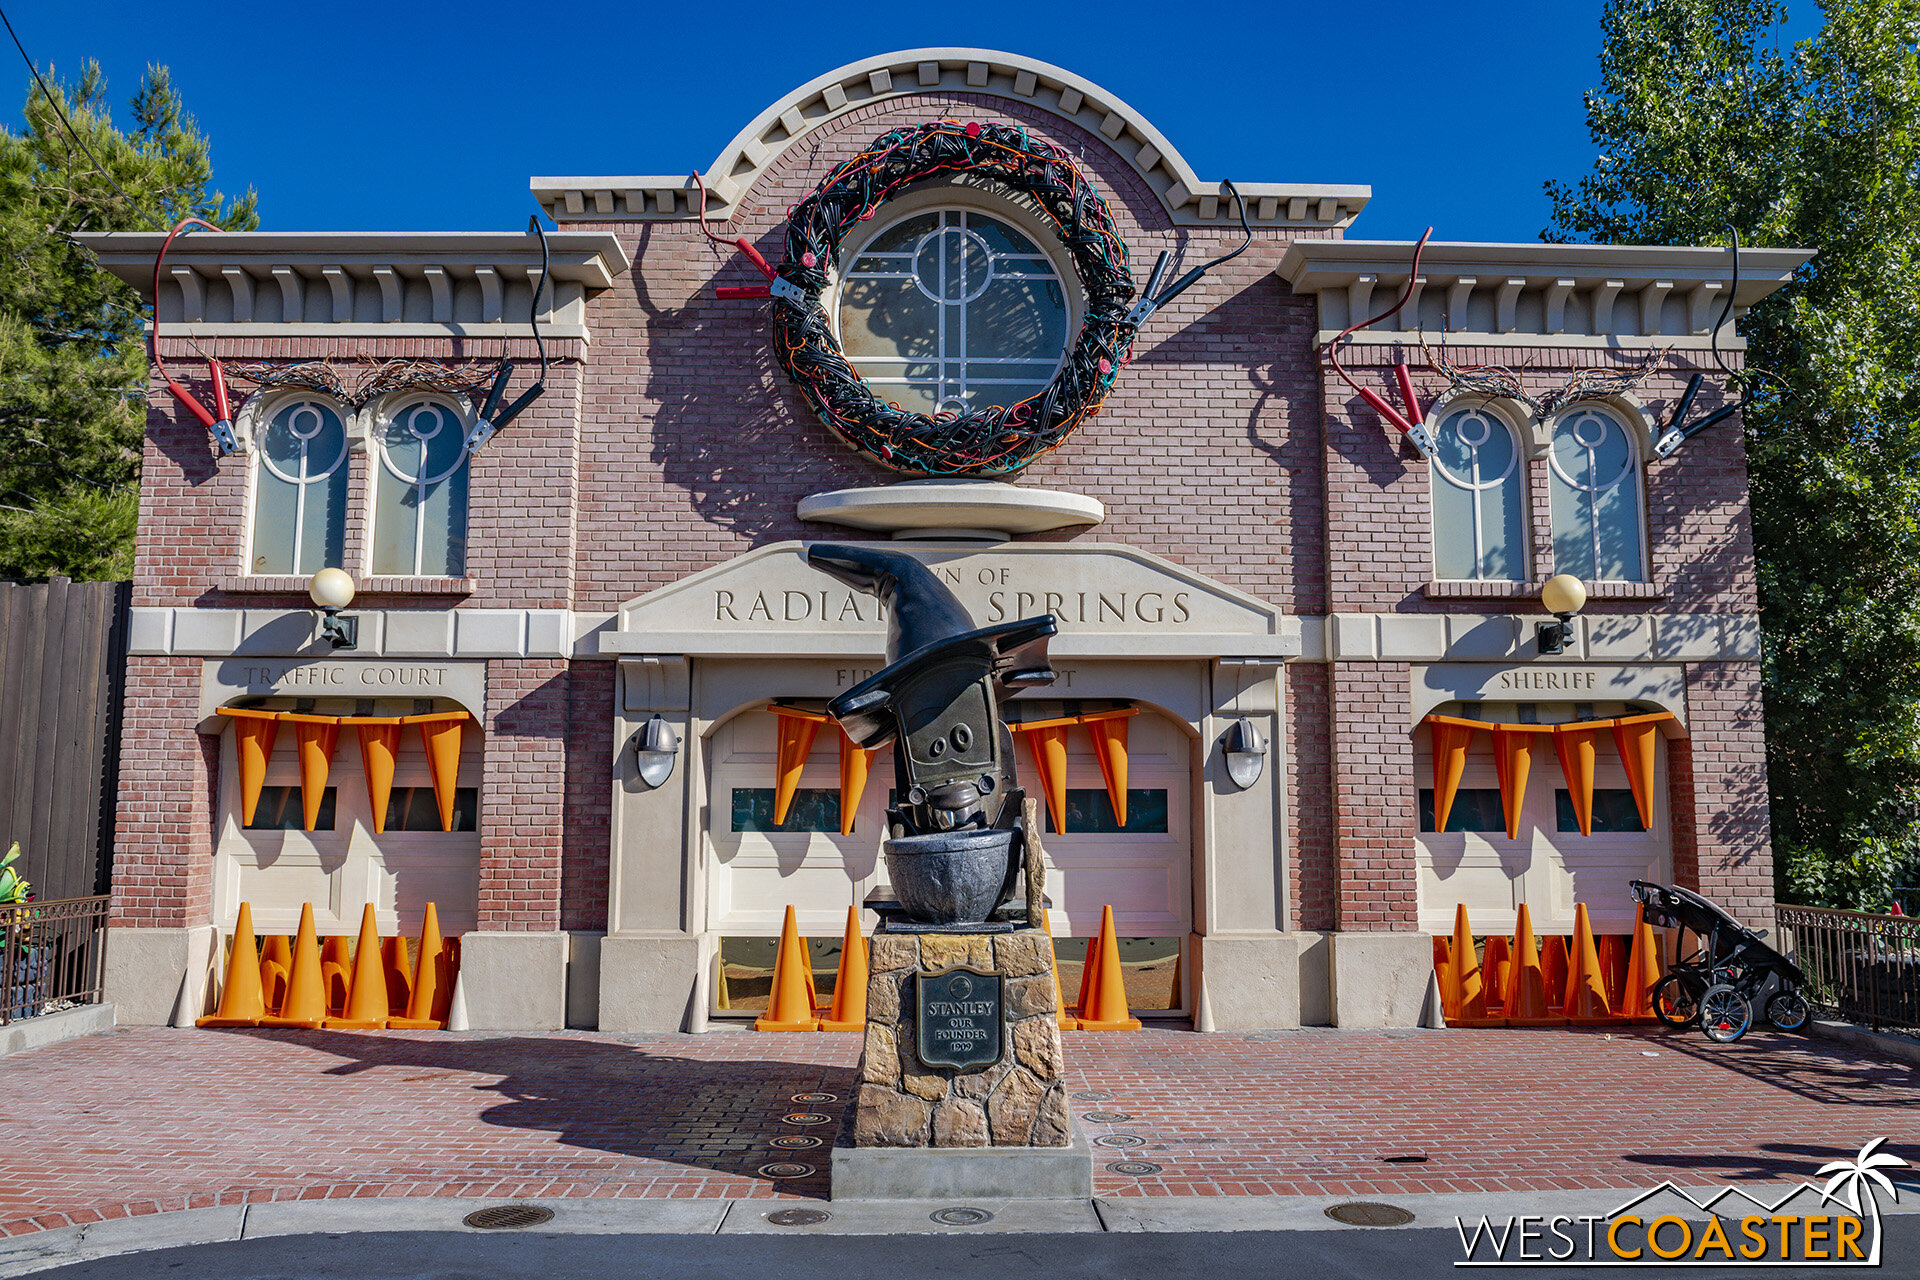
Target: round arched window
[(953, 308)]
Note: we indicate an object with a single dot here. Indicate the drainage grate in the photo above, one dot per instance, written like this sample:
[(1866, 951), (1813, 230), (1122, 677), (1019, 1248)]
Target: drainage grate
[(1134, 1168), (961, 1216), (1119, 1140), (502, 1217), (814, 1098), (798, 1217), (785, 1169), (807, 1117), (799, 1142), (1416, 1159), (1106, 1117), (1367, 1213), (1092, 1095)]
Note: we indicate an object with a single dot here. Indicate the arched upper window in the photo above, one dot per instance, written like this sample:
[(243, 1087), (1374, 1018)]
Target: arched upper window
[(1479, 497), (953, 309), (1594, 483), (419, 465), (300, 477)]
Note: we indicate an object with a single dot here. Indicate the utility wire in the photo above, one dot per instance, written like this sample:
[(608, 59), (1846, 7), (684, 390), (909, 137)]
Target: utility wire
[(59, 109)]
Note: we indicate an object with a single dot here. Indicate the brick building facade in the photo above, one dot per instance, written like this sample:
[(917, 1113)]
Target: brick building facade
[(1236, 536)]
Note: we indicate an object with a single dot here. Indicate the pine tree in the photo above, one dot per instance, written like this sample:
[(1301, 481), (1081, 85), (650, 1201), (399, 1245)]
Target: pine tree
[(73, 367)]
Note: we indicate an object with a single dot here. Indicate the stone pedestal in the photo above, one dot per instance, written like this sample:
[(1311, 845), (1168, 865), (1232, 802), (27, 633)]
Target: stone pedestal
[(924, 1130)]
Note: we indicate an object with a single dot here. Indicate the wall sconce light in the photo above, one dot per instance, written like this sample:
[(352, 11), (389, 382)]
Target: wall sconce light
[(1246, 753), (1563, 595), (654, 749), (332, 590)]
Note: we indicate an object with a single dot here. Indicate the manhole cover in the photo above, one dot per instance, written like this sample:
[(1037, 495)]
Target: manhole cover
[(1091, 1095), (1133, 1168), (1367, 1213), (786, 1170), (961, 1216), (799, 1142), (798, 1217), (501, 1217), (1119, 1140), (814, 1099), (807, 1117), (1105, 1117)]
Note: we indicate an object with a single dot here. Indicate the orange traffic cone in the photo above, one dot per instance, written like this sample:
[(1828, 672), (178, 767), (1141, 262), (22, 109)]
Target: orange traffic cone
[(336, 968), (1465, 997), (849, 1011), (367, 997), (1643, 973), (393, 962), (306, 1002), (276, 965), (432, 980), (1107, 992), (790, 1003), (241, 1002), (1067, 1021), (1612, 950), (1586, 1000), (1496, 967), (1526, 996), (1553, 970), (1442, 957)]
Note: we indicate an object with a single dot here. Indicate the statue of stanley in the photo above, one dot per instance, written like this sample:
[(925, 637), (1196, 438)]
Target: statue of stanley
[(957, 834)]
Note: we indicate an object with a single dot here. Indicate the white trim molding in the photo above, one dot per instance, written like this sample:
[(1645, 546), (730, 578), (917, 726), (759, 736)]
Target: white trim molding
[(1188, 199), (1575, 295), (364, 283)]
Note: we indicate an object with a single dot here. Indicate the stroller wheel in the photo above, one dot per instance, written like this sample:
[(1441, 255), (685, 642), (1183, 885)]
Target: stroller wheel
[(1725, 1014), (1787, 1010), (1673, 1003)]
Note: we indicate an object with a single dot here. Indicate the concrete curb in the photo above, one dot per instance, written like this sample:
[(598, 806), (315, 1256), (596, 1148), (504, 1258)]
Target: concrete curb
[(51, 1028), (44, 1250), (1905, 1048)]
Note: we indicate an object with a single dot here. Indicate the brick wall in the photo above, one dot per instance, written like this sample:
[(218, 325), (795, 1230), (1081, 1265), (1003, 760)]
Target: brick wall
[(169, 792), (1313, 865), (524, 787), (1717, 781), (1374, 797)]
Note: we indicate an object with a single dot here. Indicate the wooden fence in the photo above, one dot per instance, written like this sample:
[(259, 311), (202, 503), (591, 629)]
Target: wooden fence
[(63, 661)]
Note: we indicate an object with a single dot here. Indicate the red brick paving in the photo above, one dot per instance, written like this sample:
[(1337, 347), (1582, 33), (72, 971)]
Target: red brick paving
[(149, 1120)]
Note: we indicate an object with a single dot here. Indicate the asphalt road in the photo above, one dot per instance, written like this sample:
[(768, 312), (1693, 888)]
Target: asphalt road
[(1323, 1255)]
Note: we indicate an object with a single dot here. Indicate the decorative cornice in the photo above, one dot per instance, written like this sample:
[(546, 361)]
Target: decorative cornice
[(1188, 199), (431, 283), (1564, 294)]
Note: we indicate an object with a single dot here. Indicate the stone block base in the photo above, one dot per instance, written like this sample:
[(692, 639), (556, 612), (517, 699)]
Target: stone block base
[(962, 1173), (647, 983), (514, 981), (1380, 979), (1019, 1101), (160, 976)]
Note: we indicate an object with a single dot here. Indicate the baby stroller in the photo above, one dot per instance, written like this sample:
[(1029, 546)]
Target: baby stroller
[(1729, 975)]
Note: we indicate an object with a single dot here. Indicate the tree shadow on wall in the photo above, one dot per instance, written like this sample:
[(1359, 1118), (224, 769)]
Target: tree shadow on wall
[(728, 428), (598, 1094)]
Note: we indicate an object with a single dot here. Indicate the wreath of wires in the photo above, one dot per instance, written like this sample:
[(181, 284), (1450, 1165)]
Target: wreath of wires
[(324, 377), (990, 439)]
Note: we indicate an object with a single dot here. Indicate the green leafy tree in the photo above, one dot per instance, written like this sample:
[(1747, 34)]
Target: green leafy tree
[(73, 368), (1705, 118)]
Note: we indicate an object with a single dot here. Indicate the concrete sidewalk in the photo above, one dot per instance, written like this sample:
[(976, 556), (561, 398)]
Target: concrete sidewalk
[(146, 1121)]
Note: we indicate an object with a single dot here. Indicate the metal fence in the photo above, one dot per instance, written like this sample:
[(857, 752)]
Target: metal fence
[(1861, 967), (52, 956)]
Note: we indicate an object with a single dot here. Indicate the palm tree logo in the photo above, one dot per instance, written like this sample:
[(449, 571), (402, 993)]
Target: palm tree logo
[(1861, 1174)]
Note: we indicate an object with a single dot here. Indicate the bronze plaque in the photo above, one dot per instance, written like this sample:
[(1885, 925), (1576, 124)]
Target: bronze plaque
[(960, 1012)]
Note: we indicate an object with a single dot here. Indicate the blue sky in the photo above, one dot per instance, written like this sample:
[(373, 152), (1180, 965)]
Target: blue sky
[(399, 116)]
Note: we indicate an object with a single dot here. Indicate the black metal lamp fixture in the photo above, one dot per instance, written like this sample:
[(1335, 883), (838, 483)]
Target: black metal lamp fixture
[(332, 591), (655, 745), (1563, 595)]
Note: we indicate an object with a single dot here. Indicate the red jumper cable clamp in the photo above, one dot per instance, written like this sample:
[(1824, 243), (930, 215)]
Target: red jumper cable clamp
[(218, 420), (1412, 424)]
